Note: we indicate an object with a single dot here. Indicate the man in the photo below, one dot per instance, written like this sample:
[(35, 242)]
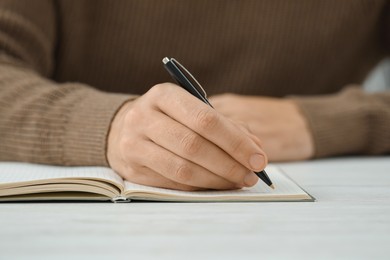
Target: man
[(61, 58)]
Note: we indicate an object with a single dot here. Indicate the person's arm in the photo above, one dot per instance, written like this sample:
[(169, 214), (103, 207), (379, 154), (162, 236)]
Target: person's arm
[(298, 128), (42, 121), (165, 138), (350, 122)]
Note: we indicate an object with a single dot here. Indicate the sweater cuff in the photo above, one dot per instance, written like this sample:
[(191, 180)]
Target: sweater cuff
[(87, 128), (337, 122)]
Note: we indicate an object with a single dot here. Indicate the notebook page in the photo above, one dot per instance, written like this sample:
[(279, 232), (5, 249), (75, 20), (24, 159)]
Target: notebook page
[(284, 188), (14, 172)]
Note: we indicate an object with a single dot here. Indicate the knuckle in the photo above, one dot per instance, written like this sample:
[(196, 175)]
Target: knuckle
[(183, 173), (206, 119), (133, 116), (236, 145), (161, 89), (126, 146), (155, 93), (157, 90), (160, 94), (191, 143)]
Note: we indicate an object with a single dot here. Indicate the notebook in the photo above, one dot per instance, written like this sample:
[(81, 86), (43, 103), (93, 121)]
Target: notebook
[(34, 182)]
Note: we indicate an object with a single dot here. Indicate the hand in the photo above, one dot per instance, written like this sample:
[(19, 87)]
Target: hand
[(168, 138), (277, 122)]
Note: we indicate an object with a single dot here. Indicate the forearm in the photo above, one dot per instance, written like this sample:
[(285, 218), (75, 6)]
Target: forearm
[(45, 122), (350, 122)]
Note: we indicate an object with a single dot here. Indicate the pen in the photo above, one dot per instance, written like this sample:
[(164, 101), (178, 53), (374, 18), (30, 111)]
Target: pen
[(185, 79)]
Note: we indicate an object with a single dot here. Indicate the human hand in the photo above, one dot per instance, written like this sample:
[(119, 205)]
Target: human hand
[(277, 122), (168, 138)]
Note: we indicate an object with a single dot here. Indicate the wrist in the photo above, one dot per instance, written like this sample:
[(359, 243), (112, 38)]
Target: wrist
[(304, 138), (114, 132)]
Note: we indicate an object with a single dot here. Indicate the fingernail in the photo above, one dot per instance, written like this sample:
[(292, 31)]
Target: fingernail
[(251, 179), (256, 162)]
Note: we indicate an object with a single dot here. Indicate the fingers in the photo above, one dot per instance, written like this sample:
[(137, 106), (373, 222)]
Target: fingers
[(248, 131), (214, 127), (189, 145), (178, 169), (146, 176), (170, 139)]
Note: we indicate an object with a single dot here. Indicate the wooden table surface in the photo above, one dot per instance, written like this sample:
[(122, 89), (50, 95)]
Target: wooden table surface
[(349, 220)]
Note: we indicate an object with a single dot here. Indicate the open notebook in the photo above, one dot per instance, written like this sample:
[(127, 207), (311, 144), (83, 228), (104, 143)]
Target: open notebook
[(25, 182)]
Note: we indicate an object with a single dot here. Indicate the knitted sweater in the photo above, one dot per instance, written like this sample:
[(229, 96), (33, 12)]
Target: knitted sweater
[(66, 67)]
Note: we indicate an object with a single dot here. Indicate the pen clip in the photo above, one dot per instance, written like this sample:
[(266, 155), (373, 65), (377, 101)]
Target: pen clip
[(185, 71)]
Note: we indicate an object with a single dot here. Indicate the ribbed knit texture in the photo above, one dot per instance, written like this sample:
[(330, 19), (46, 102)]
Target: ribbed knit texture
[(59, 60)]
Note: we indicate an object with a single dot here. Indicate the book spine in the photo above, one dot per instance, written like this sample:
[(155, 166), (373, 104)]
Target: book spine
[(120, 199)]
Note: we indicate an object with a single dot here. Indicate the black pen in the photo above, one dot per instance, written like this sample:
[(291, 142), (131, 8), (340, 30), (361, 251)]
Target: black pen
[(185, 79)]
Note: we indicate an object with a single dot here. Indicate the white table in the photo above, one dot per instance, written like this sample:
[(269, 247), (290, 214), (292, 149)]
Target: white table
[(349, 220)]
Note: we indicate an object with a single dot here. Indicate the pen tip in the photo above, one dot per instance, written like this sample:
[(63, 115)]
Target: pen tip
[(272, 186)]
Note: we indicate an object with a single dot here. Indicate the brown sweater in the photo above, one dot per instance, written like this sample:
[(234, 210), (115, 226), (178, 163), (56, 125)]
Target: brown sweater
[(60, 59)]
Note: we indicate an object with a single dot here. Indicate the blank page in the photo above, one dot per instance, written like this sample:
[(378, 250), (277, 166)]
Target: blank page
[(285, 190), (14, 172)]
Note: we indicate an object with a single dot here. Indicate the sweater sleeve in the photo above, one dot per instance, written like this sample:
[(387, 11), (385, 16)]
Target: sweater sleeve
[(42, 121), (352, 121), (349, 122)]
